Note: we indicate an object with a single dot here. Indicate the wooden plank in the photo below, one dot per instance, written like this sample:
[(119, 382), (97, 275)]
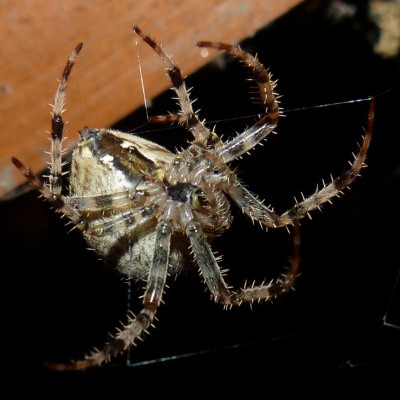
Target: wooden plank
[(38, 36)]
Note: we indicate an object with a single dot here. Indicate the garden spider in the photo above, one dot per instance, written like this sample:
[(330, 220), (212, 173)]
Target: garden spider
[(150, 212)]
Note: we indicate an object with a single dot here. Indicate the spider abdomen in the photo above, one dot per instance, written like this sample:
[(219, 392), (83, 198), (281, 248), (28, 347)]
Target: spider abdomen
[(132, 254)]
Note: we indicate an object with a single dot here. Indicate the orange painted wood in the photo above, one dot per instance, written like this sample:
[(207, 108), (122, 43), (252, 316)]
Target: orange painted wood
[(37, 37)]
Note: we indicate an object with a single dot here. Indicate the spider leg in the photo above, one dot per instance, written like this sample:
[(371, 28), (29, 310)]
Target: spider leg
[(106, 214), (245, 141), (252, 206), (259, 212), (57, 201), (187, 116), (252, 136), (57, 125), (129, 198), (130, 218), (139, 324), (105, 202), (52, 191), (215, 282)]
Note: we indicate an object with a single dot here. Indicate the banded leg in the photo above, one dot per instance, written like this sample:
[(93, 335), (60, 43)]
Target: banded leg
[(106, 202), (57, 201), (136, 326), (259, 212), (123, 209), (215, 282), (57, 125), (187, 117), (52, 192), (252, 136), (130, 219)]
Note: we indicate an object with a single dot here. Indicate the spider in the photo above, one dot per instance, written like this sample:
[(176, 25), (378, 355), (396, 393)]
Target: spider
[(150, 212)]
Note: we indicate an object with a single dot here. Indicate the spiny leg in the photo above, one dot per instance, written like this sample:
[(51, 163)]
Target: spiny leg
[(187, 117), (131, 198), (57, 201), (129, 219), (52, 192), (57, 125), (252, 136), (259, 212), (215, 282), (139, 324), (106, 202), (244, 142)]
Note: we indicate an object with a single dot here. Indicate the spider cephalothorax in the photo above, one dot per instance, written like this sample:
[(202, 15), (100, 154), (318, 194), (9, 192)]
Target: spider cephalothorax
[(150, 212)]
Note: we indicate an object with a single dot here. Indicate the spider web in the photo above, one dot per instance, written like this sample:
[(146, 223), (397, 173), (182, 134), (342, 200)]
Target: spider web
[(336, 336)]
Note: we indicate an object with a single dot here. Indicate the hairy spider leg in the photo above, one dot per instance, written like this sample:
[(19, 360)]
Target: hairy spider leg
[(118, 209), (136, 325), (256, 210), (214, 280), (52, 191), (57, 125), (129, 219), (105, 202), (245, 141), (187, 117)]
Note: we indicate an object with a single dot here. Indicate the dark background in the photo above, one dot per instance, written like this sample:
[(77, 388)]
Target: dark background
[(335, 336)]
